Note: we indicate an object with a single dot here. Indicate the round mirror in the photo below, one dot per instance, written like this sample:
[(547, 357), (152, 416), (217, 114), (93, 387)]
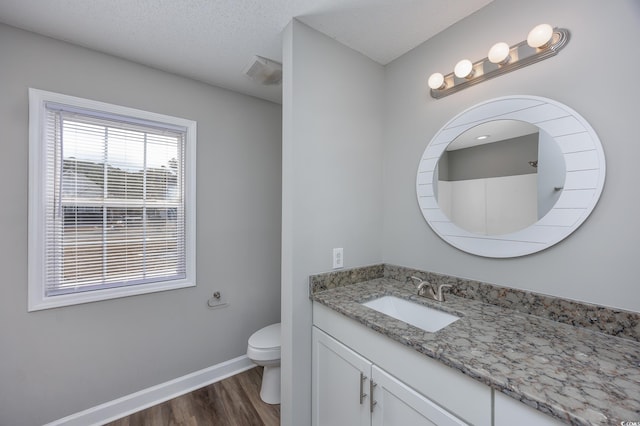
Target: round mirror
[(499, 177), (510, 176)]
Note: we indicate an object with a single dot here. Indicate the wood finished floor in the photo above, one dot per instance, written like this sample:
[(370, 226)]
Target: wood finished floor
[(234, 401)]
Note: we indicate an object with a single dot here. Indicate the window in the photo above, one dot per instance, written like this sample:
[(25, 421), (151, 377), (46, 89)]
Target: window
[(111, 207)]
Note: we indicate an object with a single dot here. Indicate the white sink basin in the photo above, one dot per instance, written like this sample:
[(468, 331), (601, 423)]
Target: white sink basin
[(412, 313)]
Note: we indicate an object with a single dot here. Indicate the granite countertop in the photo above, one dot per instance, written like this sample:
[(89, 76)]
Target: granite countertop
[(580, 376)]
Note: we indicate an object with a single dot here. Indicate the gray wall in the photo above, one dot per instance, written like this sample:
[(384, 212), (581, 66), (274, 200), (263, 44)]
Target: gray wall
[(596, 263), (508, 157), (332, 185), (60, 361), (332, 154)]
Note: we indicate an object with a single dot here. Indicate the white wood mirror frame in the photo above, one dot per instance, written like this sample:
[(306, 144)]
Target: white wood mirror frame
[(585, 173)]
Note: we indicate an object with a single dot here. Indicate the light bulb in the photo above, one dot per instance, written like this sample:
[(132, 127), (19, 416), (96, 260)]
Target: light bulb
[(540, 36), (464, 69), (436, 81), (499, 53)]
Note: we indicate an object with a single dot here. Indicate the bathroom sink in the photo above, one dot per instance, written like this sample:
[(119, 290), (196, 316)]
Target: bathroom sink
[(412, 313)]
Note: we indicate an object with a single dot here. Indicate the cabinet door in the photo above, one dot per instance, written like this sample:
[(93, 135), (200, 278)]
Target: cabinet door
[(339, 384), (396, 404)]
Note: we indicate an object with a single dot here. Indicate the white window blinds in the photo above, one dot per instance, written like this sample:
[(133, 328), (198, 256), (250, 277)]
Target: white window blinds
[(115, 201)]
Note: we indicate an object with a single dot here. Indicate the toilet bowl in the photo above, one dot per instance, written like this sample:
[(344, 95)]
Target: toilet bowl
[(264, 349)]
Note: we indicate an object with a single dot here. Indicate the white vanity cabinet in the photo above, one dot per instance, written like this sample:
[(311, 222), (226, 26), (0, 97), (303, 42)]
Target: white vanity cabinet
[(349, 390), (396, 404), (410, 388), (415, 377), (340, 383), (509, 412)]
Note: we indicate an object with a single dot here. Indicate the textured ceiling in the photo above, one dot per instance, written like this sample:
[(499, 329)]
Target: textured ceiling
[(214, 40)]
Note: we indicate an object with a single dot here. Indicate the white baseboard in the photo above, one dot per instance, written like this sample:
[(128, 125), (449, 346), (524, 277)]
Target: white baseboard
[(129, 404)]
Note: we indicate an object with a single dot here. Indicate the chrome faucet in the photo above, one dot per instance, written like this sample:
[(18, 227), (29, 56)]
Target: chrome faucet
[(425, 286), (426, 289), (439, 294)]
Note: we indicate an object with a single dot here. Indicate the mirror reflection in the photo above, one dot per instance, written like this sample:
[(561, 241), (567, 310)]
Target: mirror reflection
[(499, 177)]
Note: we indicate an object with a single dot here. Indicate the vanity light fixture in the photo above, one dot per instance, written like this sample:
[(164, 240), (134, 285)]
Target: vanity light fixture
[(540, 36), (436, 81), (542, 42), (500, 53), (464, 69)]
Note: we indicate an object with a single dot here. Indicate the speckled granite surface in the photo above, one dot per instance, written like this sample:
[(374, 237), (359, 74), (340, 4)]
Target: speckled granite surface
[(345, 277), (606, 320), (578, 375)]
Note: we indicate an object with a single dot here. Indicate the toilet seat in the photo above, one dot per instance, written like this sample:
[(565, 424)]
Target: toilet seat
[(264, 344)]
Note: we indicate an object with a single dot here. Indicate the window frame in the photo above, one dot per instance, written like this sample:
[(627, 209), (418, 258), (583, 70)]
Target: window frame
[(37, 298)]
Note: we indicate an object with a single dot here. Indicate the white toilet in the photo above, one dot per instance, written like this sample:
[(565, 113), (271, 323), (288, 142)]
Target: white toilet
[(264, 350)]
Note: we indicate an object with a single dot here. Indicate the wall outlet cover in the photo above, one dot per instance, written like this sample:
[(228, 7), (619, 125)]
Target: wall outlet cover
[(338, 258)]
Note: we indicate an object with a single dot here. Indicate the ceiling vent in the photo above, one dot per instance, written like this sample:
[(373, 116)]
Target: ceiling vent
[(264, 70)]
